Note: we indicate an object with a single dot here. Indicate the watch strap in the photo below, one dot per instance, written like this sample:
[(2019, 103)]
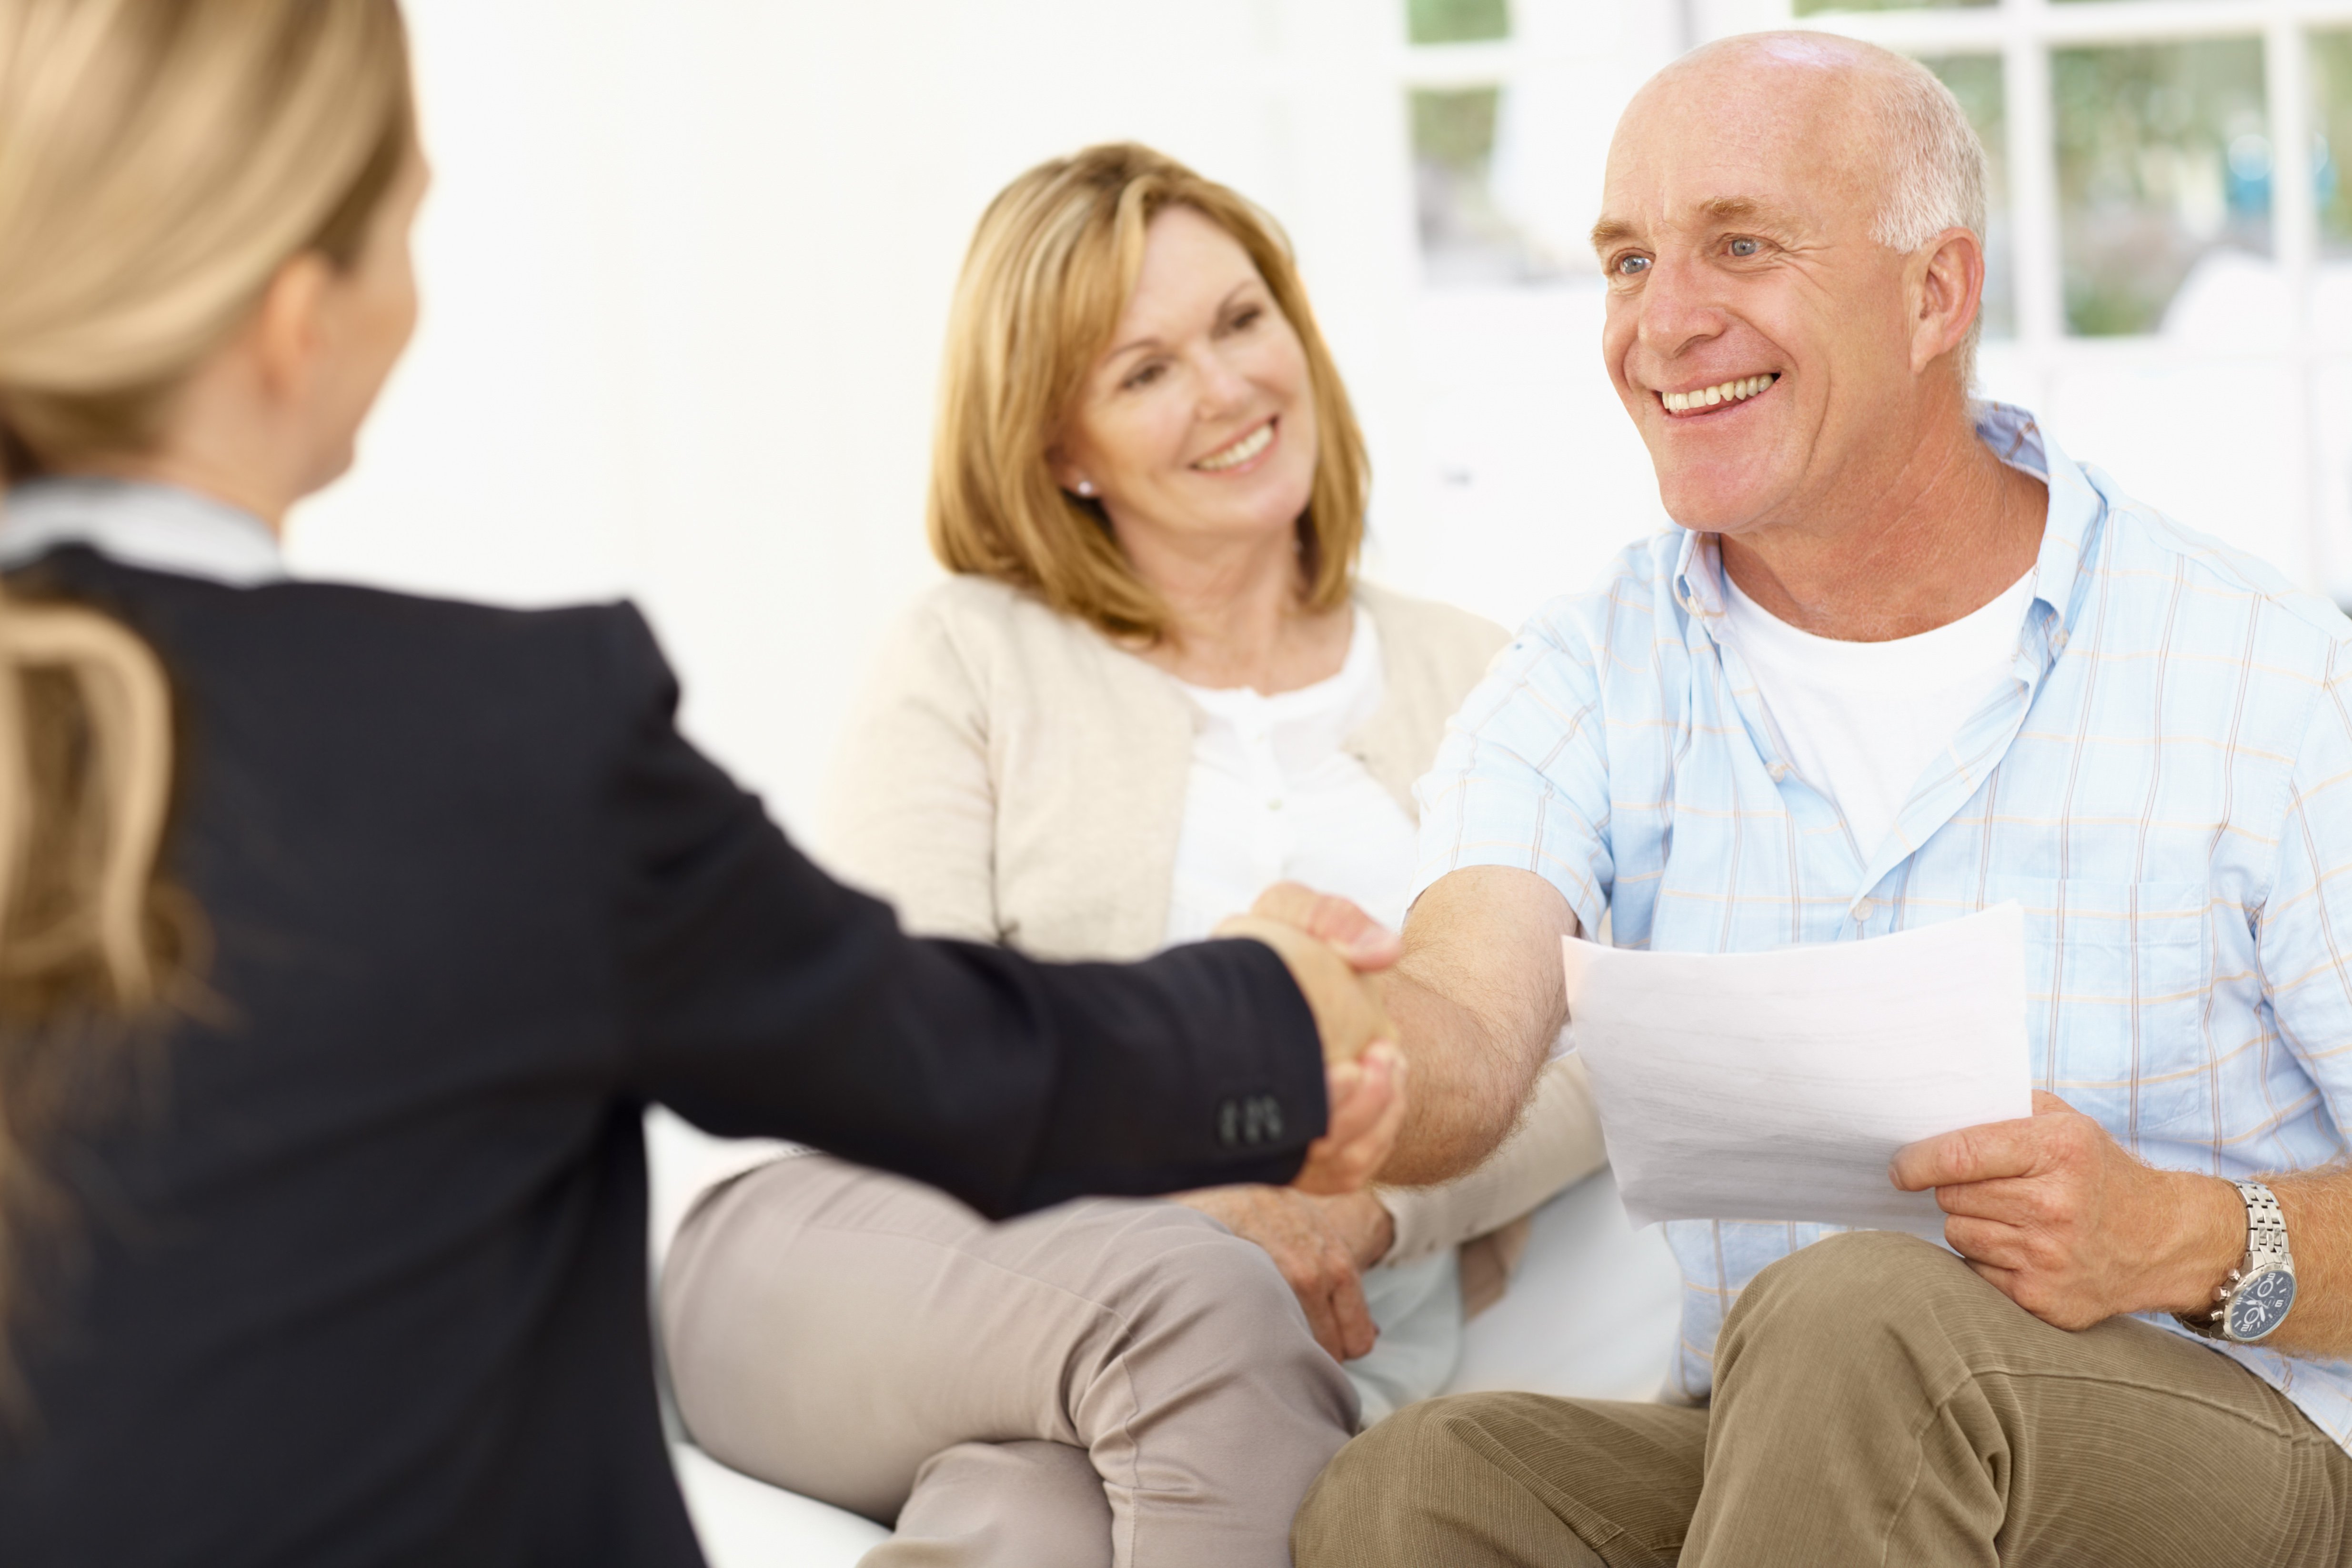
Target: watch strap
[(2266, 1248), (2265, 1228)]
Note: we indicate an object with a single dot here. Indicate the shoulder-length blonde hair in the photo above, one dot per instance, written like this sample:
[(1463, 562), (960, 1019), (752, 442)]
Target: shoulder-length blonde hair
[(1050, 270), (160, 161)]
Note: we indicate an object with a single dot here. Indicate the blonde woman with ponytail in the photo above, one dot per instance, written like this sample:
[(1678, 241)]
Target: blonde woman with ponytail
[(326, 1243), (85, 770)]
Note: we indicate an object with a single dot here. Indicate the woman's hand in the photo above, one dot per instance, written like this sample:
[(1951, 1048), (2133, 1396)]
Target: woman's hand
[(1321, 1246)]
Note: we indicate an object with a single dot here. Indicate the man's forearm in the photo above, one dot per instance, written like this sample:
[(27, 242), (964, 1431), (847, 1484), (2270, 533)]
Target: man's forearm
[(1469, 1088), (1477, 1000)]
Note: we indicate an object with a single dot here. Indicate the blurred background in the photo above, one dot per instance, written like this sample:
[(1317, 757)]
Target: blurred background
[(688, 264)]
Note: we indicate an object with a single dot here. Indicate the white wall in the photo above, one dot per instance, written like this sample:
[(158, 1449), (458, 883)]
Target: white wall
[(686, 268)]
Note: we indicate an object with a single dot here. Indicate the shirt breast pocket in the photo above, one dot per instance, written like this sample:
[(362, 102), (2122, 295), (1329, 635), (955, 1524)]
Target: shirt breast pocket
[(2114, 999)]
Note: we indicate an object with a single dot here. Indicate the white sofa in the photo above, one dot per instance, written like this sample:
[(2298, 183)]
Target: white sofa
[(1593, 1311)]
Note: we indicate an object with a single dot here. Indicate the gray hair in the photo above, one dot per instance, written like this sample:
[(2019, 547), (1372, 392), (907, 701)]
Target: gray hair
[(1935, 171)]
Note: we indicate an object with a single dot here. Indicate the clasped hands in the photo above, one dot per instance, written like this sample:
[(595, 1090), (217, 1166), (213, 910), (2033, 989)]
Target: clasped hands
[(2050, 1209), (1325, 1228)]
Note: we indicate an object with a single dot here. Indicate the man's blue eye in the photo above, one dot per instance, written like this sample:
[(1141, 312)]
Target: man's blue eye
[(1633, 265), (1745, 247)]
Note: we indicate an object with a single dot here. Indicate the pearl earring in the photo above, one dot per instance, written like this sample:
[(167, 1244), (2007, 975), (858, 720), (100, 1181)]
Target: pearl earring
[(1086, 488)]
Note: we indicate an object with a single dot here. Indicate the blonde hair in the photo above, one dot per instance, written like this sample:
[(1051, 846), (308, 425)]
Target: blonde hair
[(1050, 270), (160, 161)]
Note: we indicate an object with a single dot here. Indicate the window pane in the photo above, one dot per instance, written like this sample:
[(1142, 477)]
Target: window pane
[(1457, 21), (2331, 113), (1976, 81), (1467, 234), (1822, 7), (2163, 159)]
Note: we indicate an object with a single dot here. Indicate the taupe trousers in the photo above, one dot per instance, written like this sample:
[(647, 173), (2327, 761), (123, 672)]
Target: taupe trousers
[(1876, 1403), (1110, 1381)]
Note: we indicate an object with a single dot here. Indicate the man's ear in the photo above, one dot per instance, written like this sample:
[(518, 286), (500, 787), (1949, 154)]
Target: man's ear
[(290, 325), (1948, 292)]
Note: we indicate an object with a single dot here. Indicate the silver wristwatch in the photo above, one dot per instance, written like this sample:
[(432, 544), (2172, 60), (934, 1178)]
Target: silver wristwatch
[(2259, 1291)]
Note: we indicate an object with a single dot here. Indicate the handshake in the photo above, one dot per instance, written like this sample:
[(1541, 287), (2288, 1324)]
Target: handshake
[(1334, 953)]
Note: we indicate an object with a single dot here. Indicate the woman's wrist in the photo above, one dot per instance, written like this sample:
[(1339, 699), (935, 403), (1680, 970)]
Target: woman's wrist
[(1365, 1223)]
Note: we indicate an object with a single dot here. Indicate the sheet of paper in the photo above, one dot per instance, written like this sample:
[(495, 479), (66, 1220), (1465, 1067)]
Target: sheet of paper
[(1776, 1086)]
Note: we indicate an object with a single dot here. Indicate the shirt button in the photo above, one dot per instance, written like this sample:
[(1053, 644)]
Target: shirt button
[(1864, 910), (1273, 803), (2058, 638), (1779, 771)]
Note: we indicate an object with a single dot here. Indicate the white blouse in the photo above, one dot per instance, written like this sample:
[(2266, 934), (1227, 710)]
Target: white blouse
[(1274, 796)]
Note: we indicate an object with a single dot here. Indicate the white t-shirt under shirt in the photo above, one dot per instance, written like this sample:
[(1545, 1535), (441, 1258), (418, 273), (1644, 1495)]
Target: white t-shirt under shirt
[(1862, 721)]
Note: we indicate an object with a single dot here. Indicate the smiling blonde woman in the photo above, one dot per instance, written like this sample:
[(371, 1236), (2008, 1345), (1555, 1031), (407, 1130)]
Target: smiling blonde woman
[(1154, 686)]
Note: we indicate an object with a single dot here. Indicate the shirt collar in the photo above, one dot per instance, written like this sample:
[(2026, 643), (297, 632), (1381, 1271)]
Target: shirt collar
[(162, 528), (2017, 439)]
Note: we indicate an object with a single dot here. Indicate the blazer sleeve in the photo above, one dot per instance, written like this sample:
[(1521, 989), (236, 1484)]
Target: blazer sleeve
[(763, 998), (911, 811), (1556, 1144)]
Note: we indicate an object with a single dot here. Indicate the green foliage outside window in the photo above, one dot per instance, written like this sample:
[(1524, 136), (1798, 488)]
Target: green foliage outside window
[(1456, 128), (2163, 155), (2331, 115), (1457, 21), (1820, 7), (1976, 80)]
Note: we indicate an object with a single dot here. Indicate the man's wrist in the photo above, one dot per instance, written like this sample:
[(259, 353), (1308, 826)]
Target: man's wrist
[(2210, 1241)]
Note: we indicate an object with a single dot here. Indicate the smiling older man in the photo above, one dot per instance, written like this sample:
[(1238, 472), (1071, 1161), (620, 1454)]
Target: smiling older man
[(1903, 659)]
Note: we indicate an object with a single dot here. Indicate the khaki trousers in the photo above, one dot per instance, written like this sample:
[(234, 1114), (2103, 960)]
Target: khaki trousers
[(1109, 1383), (1875, 1402)]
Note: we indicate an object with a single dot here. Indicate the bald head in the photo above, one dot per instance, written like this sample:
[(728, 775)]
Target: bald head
[(1923, 161), (1792, 232)]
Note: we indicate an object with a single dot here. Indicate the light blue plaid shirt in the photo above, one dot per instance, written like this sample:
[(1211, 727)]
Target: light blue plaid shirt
[(2165, 786)]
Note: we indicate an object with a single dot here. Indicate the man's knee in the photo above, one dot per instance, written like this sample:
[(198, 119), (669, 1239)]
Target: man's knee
[(1507, 1477), (1381, 1486), (1849, 1289)]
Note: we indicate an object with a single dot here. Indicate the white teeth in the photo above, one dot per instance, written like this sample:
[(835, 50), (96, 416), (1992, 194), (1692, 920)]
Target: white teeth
[(1241, 451), (1708, 397)]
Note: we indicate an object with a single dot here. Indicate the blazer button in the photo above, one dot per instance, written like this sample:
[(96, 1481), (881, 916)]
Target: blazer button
[(1249, 1122)]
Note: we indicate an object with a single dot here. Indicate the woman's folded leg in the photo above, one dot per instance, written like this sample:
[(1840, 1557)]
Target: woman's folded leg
[(979, 1505), (831, 1329)]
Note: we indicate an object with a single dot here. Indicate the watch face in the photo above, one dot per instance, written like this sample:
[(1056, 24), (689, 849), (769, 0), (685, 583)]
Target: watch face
[(2260, 1303)]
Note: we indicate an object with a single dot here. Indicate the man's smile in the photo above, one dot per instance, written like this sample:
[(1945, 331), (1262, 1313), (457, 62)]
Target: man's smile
[(1722, 394)]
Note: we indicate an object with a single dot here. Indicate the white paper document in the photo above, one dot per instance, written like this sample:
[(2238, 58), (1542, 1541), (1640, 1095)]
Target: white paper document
[(1777, 1086)]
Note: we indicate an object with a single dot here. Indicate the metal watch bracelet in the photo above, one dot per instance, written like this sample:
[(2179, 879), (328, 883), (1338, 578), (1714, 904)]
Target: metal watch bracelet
[(2266, 1250)]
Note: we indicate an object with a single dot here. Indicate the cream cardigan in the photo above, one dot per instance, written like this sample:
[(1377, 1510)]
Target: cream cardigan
[(1010, 775)]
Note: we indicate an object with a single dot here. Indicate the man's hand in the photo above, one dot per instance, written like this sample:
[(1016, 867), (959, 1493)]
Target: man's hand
[(2069, 1225), (1477, 984), (1366, 1113), (1322, 1246), (1347, 1005), (1365, 942)]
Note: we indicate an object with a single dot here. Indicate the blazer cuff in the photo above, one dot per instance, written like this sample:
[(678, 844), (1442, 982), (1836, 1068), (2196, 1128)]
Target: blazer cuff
[(1215, 1076)]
